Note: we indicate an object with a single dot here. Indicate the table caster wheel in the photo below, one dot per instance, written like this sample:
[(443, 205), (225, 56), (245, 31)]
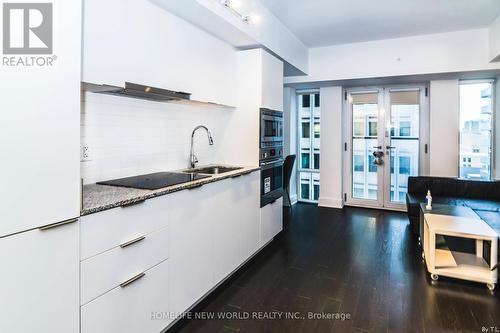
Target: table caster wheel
[(434, 277), (491, 286)]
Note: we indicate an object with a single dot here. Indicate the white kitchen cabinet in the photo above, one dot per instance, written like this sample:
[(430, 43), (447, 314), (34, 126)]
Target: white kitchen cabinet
[(39, 281), (139, 307), (272, 82), (105, 271), (236, 226), (40, 132), (105, 230), (271, 221), (192, 213)]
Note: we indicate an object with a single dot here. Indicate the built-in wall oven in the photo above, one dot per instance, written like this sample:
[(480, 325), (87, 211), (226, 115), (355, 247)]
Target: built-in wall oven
[(271, 156)]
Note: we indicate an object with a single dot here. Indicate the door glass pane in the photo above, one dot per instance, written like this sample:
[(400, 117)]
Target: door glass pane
[(476, 130), (364, 129), (405, 129)]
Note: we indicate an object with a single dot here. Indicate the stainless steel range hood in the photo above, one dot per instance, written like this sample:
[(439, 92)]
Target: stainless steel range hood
[(134, 90)]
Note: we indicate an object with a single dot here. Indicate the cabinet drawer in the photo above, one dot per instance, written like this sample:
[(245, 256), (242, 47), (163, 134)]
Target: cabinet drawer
[(140, 307), (271, 221), (108, 229), (106, 271)]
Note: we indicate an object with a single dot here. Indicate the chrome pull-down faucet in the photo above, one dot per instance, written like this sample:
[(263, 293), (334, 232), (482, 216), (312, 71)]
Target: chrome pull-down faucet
[(192, 157)]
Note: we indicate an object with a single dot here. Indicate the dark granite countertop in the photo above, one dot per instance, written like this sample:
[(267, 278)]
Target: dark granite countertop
[(97, 198)]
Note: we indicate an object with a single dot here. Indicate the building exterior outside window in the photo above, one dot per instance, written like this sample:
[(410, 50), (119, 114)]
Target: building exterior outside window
[(476, 128)]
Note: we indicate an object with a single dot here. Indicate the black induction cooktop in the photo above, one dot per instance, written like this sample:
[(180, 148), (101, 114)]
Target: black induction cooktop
[(154, 181)]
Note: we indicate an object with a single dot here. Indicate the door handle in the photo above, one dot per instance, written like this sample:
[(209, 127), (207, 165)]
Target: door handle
[(390, 147), (378, 147)]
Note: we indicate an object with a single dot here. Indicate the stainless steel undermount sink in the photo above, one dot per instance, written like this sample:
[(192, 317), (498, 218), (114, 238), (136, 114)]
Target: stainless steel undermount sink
[(212, 170)]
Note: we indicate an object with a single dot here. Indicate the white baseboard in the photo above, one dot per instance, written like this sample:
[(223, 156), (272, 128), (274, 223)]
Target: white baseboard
[(330, 202), (293, 199)]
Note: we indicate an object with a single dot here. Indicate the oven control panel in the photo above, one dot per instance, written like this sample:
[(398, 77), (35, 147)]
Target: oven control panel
[(271, 153)]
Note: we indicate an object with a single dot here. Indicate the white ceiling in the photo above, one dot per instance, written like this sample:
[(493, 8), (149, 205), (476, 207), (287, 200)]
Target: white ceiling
[(329, 22)]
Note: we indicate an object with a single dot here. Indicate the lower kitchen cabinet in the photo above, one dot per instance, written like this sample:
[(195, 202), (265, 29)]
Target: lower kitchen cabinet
[(206, 233), (214, 229), (39, 281), (236, 226), (138, 307), (191, 245), (271, 221)]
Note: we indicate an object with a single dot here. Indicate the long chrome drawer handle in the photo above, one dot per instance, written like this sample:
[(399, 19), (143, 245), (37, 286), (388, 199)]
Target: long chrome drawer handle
[(132, 280), (58, 224), (133, 241)]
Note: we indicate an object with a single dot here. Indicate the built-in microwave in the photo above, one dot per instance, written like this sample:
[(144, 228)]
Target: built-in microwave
[(271, 128)]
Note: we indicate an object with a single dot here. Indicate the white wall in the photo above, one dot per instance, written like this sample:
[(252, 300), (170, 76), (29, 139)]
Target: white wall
[(331, 147), (444, 128), (494, 34), (130, 137), (438, 53)]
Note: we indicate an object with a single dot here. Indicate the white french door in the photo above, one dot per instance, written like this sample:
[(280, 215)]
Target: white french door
[(385, 142)]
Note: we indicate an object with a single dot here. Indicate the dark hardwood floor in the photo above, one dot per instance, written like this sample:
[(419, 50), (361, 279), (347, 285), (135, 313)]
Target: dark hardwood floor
[(357, 262)]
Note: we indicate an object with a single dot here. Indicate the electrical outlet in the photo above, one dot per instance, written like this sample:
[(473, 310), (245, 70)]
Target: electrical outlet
[(85, 155)]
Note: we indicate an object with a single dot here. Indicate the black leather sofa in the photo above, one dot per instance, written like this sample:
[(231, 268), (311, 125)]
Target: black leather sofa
[(483, 197)]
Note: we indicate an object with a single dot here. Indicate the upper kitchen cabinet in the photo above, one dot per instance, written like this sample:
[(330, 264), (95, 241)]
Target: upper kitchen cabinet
[(140, 42), (40, 126), (260, 80), (272, 82)]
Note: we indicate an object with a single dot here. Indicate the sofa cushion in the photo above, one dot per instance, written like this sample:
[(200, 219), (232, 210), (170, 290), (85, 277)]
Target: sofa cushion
[(482, 204), (489, 190), (492, 218)]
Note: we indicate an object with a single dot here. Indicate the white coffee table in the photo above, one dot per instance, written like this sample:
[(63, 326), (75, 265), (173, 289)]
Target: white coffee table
[(460, 265)]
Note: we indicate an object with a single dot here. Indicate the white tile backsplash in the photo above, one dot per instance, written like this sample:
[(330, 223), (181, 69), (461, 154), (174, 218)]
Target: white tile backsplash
[(128, 136)]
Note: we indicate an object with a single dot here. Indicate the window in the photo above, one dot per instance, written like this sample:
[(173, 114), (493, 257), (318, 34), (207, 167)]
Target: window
[(306, 130), (316, 192), (309, 127), (305, 101), (404, 165), (372, 167), (316, 161), (476, 128), (372, 126), (304, 191), (316, 129), (305, 161), (405, 128), (359, 163), (358, 128)]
